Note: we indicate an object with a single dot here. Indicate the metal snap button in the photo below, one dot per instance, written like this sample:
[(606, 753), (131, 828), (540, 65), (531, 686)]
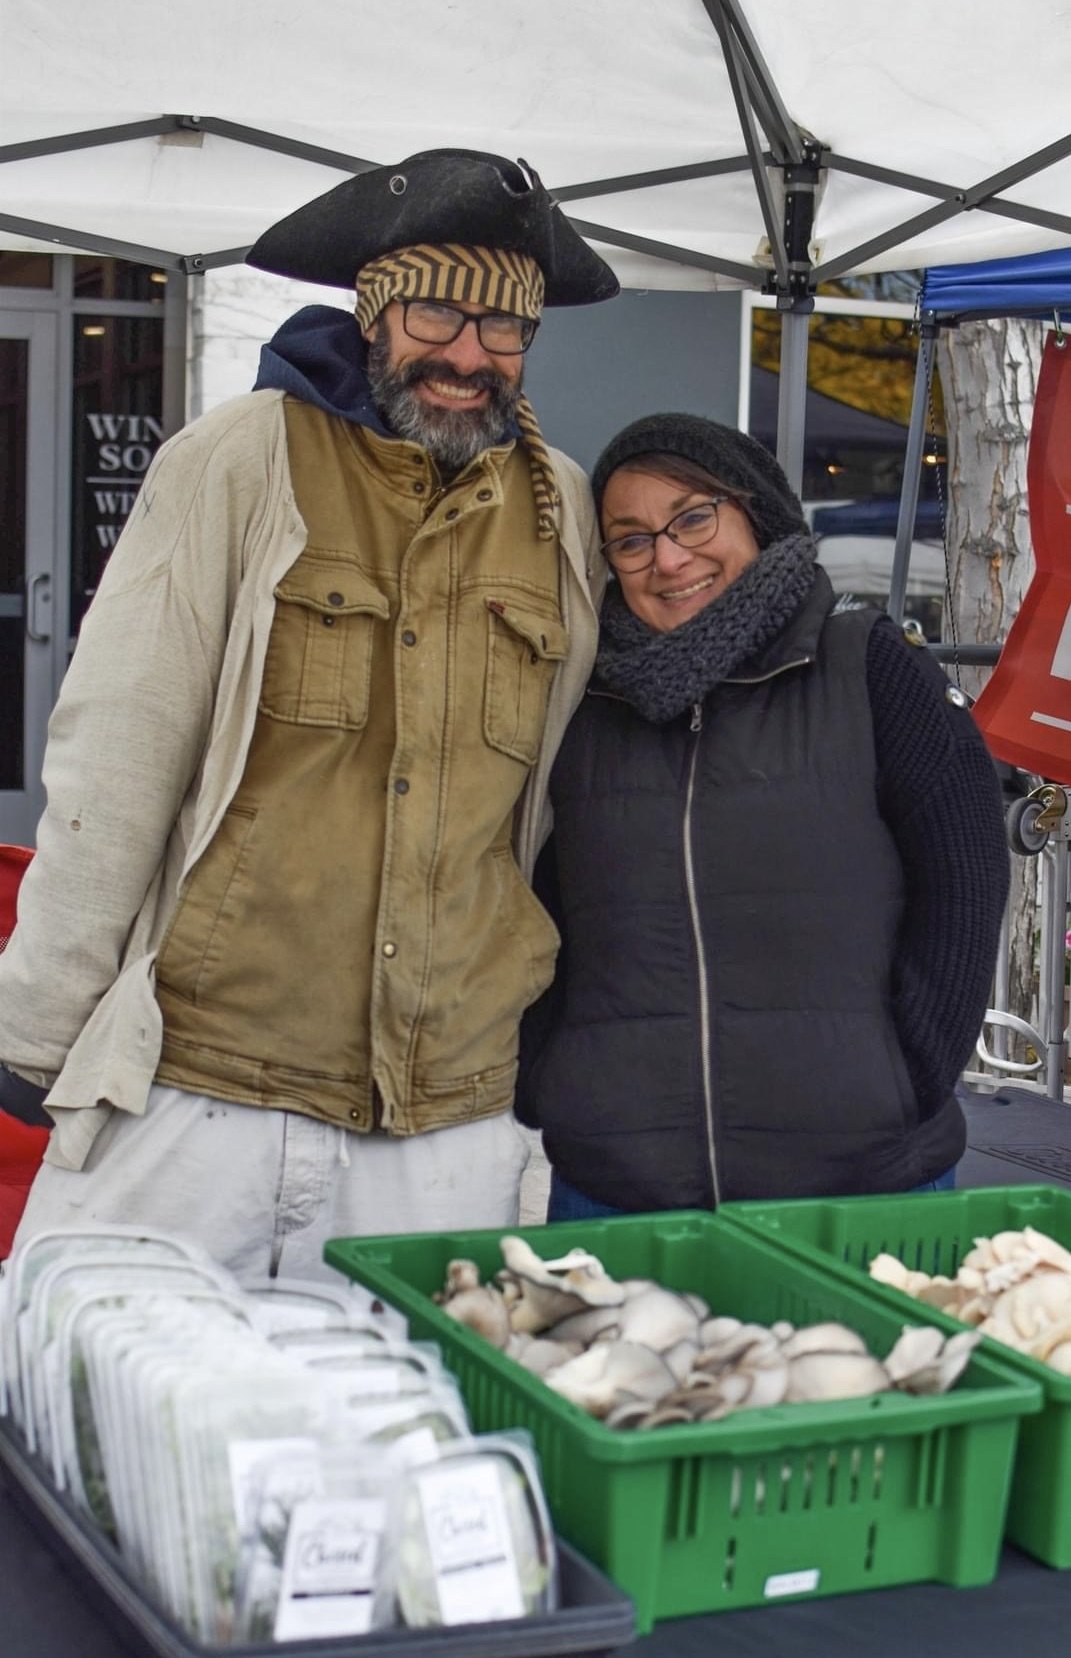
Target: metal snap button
[(335, 598), (454, 512), (408, 637), (484, 494), (955, 696), (390, 949), (328, 621), (401, 785), (418, 489)]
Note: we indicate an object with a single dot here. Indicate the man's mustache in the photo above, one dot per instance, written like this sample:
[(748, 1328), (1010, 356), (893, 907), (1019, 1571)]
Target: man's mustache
[(481, 379)]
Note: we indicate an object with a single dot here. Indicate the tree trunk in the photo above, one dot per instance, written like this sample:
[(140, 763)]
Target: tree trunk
[(988, 373)]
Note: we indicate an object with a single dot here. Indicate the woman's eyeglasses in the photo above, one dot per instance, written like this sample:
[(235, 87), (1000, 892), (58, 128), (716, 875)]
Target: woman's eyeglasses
[(693, 527)]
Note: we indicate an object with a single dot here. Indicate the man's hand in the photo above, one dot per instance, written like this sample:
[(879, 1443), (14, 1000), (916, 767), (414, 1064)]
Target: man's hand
[(23, 1100)]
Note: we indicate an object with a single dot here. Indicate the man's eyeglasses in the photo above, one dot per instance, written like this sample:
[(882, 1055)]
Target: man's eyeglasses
[(693, 527), (499, 332)]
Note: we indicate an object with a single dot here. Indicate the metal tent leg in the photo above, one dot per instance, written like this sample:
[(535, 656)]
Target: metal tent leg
[(909, 491), (792, 390), (1053, 955)]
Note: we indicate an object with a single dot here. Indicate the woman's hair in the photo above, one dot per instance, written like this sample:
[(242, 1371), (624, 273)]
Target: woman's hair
[(677, 469), (727, 460)]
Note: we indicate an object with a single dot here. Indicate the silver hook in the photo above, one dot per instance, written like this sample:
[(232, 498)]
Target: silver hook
[(1061, 337)]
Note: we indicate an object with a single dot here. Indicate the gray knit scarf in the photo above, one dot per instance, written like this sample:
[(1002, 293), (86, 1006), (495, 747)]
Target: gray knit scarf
[(662, 674)]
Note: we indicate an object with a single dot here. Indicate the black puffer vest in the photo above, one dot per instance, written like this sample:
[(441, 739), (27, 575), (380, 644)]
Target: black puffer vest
[(731, 898)]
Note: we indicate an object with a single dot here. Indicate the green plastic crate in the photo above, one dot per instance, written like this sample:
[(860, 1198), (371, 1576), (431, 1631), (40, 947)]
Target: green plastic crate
[(931, 1232), (793, 1501)]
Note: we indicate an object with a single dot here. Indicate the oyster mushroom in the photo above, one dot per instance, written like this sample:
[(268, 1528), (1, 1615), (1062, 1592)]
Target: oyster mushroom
[(1059, 1354), (610, 1373), (658, 1318), (769, 1382), (550, 1290), (814, 1377), (886, 1269), (541, 1356), (461, 1275), (714, 1330), (917, 1345), (724, 1354), (918, 1367), (1048, 1251), (588, 1325), (681, 1357), (663, 1416), (631, 1413), (823, 1338), (483, 1310)]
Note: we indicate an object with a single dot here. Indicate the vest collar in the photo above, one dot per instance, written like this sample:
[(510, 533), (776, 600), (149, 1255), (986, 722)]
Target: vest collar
[(797, 643)]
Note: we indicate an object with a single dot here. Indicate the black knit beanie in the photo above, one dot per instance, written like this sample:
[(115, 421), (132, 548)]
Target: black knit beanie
[(735, 459)]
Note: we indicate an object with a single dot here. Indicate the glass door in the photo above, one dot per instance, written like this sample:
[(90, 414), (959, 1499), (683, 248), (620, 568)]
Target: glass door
[(30, 647)]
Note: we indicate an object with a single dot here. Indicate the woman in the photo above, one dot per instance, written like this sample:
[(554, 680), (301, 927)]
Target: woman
[(780, 864)]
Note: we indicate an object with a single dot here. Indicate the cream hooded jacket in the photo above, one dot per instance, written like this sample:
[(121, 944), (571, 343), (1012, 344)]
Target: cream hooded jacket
[(147, 745)]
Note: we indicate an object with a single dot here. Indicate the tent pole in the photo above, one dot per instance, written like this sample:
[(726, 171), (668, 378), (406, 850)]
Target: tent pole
[(909, 489), (792, 389), (176, 350)]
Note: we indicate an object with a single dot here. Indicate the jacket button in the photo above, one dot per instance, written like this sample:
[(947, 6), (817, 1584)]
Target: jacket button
[(401, 785), (418, 489), (453, 513), (408, 637), (390, 949), (356, 1115), (484, 494), (335, 598), (329, 621)]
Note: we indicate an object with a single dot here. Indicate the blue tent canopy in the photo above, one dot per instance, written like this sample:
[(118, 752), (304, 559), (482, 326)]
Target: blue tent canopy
[(877, 517), (1036, 285)]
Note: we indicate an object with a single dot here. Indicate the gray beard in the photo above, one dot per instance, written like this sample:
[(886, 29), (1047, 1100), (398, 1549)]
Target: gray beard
[(452, 437)]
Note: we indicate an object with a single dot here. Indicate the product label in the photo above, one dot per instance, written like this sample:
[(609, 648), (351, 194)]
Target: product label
[(469, 1539), (412, 1449), (249, 1461), (791, 1583), (329, 1567)]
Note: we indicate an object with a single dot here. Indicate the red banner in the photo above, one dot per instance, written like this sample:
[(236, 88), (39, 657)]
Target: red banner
[(21, 1148), (1025, 709)]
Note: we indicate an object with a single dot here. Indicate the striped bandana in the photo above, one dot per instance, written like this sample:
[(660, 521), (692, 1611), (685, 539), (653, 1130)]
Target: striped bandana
[(476, 276)]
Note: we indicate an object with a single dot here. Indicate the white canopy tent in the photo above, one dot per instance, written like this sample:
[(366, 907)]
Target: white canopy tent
[(696, 143)]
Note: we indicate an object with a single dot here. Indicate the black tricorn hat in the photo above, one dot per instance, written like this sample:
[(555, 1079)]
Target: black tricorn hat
[(436, 196)]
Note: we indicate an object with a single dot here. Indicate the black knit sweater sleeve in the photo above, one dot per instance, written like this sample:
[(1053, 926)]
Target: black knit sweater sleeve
[(539, 1019), (939, 793)]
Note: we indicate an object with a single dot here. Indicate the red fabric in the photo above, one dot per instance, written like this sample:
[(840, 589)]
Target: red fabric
[(21, 1148), (1025, 709)]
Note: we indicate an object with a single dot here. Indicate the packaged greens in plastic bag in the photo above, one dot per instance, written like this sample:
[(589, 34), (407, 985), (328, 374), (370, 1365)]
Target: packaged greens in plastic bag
[(310, 1564), (469, 1538), (299, 1304), (31, 1259)]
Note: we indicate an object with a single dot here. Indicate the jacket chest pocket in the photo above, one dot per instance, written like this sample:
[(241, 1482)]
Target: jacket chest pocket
[(523, 651), (318, 668)]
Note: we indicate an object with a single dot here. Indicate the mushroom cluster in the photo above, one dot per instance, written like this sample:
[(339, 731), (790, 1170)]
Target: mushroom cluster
[(638, 1355), (1014, 1286)]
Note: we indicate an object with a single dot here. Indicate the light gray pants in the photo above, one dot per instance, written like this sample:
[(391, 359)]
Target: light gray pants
[(262, 1190)]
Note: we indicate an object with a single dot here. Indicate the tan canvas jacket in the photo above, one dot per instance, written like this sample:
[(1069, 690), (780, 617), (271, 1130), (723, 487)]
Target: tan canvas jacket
[(147, 746)]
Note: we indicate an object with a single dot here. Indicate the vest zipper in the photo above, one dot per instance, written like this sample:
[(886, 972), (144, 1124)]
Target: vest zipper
[(696, 726)]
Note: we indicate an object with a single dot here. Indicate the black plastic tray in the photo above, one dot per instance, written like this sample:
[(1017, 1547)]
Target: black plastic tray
[(595, 1617)]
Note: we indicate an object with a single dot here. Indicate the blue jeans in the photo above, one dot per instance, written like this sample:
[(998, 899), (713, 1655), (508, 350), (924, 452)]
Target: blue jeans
[(566, 1203)]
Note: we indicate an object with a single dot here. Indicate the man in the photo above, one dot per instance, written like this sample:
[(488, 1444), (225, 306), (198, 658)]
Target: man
[(275, 944)]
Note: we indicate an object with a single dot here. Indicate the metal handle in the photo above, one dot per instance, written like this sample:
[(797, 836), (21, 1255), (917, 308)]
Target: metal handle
[(39, 591)]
